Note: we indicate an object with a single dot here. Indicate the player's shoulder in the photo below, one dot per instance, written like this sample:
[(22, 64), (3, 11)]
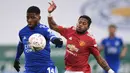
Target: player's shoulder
[(105, 39), (23, 30), (118, 38), (42, 27), (72, 28), (90, 36)]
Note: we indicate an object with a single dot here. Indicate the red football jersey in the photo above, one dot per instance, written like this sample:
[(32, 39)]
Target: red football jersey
[(78, 49)]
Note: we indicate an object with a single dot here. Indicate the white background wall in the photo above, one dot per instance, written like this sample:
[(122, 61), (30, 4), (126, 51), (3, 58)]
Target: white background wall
[(13, 18)]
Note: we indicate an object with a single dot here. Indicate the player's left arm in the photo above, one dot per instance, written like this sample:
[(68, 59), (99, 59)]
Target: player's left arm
[(55, 40), (95, 52), (124, 50)]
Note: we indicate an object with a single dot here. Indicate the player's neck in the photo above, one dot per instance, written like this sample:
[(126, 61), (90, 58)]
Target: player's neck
[(112, 36), (32, 28), (81, 33)]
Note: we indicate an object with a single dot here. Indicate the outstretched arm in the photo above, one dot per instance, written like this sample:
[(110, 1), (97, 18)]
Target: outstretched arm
[(94, 50), (102, 62), (52, 23)]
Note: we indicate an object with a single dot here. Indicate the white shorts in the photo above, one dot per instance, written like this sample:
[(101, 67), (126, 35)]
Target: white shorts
[(73, 71)]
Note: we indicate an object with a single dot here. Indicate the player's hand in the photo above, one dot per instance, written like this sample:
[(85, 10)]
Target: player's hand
[(16, 65), (52, 7), (110, 71), (58, 42)]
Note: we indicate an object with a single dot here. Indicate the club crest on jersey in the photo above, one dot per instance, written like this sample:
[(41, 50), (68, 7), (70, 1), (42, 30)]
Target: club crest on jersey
[(82, 43)]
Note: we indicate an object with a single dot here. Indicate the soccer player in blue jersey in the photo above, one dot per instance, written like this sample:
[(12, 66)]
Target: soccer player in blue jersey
[(114, 49), (39, 61)]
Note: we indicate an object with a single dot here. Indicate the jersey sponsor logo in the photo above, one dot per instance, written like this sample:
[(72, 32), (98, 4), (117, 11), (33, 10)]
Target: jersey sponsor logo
[(74, 54), (112, 50), (72, 48), (27, 48), (82, 43)]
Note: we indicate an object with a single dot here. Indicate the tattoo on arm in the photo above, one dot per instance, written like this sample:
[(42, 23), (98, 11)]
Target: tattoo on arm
[(102, 63)]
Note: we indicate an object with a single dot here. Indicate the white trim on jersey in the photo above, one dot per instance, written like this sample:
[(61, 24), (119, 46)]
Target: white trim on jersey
[(52, 37)]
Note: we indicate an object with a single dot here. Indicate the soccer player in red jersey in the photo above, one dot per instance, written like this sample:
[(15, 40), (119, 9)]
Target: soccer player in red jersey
[(80, 44)]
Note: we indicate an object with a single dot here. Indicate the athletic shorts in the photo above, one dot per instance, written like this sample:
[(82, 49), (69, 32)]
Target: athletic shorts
[(42, 69)]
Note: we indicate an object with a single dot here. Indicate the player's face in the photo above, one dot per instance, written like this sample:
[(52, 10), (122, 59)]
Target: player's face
[(82, 26), (33, 19), (112, 30)]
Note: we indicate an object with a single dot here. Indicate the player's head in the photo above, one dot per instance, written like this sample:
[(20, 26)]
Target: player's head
[(33, 16), (83, 24), (112, 29)]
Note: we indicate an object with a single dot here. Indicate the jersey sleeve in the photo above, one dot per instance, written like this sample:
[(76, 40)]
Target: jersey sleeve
[(20, 49), (48, 34), (94, 48), (121, 42), (63, 31)]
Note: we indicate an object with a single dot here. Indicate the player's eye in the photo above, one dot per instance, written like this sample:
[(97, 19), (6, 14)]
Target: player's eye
[(31, 17)]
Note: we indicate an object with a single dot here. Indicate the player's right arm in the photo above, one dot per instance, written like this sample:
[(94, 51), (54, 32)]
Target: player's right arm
[(20, 49), (52, 23)]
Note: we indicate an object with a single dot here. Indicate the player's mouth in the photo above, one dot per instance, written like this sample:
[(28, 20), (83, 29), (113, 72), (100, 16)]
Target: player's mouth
[(30, 25), (79, 28)]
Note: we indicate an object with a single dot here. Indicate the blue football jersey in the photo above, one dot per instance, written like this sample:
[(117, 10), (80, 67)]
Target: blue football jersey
[(38, 58), (112, 49)]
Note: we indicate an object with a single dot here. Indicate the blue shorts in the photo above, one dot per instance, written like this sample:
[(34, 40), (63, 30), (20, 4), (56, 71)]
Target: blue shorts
[(45, 69)]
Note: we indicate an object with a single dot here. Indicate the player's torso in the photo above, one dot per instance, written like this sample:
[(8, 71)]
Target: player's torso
[(77, 51), (31, 56), (112, 48)]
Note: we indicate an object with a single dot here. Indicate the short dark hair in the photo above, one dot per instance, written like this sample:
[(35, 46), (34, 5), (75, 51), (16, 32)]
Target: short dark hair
[(112, 25), (86, 17), (33, 9)]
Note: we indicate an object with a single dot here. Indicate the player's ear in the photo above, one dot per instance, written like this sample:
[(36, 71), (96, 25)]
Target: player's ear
[(39, 17)]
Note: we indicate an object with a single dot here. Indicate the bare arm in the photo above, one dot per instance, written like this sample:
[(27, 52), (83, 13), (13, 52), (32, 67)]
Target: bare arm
[(102, 62), (123, 52), (51, 22)]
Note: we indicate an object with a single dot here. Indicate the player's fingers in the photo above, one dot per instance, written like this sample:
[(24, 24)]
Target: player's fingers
[(53, 3), (17, 70), (49, 3)]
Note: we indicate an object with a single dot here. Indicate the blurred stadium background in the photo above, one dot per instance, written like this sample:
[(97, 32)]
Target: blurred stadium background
[(102, 12)]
